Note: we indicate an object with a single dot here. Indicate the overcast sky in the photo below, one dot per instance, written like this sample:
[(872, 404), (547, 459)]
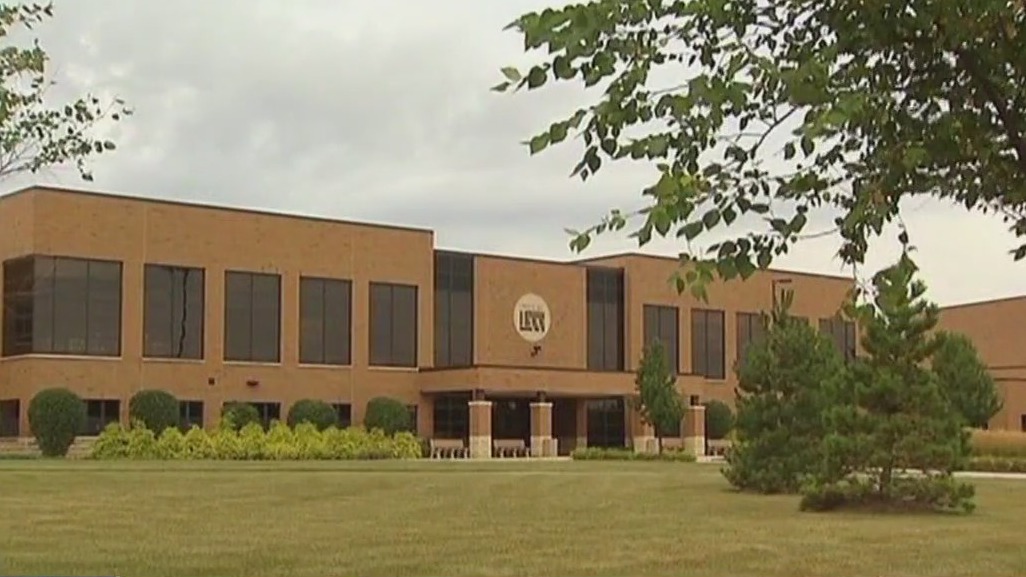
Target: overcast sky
[(381, 111)]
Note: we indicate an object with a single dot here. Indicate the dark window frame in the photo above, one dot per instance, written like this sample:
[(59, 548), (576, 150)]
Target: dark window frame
[(454, 301), (604, 302), (662, 322), (183, 337), (345, 348), (451, 416), (39, 302), (249, 356), (188, 415), (390, 357), (109, 412), (344, 412), (10, 428), (703, 344), (749, 328), (843, 334)]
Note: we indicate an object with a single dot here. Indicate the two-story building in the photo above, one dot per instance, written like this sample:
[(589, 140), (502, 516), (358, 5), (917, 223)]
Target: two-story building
[(107, 295)]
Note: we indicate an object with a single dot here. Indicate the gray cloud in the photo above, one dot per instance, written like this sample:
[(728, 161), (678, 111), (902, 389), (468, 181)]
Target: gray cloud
[(381, 111)]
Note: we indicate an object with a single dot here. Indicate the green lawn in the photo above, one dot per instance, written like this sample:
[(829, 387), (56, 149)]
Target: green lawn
[(448, 519)]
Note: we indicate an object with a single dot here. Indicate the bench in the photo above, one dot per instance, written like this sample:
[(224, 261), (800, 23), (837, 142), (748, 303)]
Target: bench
[(448, 449), (670, 444), (719, 448), (509, 448)]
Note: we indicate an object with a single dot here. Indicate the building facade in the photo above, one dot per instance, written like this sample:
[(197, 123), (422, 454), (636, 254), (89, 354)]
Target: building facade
[(996, 328), (108, 295)]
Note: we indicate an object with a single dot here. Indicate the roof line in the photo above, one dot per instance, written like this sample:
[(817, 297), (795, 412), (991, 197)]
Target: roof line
[(206, 206), (628, 253), (983, 302)]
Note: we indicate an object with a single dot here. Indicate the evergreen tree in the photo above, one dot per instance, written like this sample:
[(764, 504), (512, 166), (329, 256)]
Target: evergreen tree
[(786, 379), (658, 400), (964, 379), (893, 440)]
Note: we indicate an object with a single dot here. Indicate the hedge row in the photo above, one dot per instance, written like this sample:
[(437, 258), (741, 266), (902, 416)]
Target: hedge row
[(251, 442), (997, 464), (610, 454), (999, 444)]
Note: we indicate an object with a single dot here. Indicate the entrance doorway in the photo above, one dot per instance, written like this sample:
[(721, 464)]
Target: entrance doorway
[(564, 424), (606, 422), (511, 419)]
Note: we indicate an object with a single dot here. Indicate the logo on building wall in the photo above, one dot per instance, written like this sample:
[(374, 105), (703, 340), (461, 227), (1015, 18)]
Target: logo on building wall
[(531, 317)]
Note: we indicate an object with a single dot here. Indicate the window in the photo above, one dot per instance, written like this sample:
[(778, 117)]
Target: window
[(190, 413), (252, 330), (173, 313), (99, 414), (10, 415), (605, 319), (58, 305), (707, 343), (393, 330), (694, 400), (750, 329), (842, 333), (269, 412), (452, 417), (344, 411), (454, 309), (606, 426), (325, 321), (661, 323)]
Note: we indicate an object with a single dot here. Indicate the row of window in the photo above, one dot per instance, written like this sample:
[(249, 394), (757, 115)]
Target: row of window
[(708, 336), (59, 305), (101, 412)]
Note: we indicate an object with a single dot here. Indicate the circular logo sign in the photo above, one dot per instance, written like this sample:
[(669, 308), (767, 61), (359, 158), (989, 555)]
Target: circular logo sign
[(531, 318)]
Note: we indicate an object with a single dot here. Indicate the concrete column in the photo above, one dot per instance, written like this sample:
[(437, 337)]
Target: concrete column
[(582, 424), (542, 443), (643, 437), (480, 429), (694, 430)]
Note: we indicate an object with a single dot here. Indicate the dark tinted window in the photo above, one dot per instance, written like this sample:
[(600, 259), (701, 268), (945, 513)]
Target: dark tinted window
[(661, 324), (393, 330), (750, 329), (10, 415), (842, 333), (345, 414), (100, 413), (451, 417), (252, 329), (605, 319), (325, 321), (707, 343), (173, 312), (454, 310), (190, 413), (61, 305)]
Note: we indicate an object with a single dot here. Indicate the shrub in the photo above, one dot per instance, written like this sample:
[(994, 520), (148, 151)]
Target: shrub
[(55, 417), (616, 454), (280, 442), (998, 443), (157, 410), (997, 464), (964, 379), (314, 411), (235, 416), (388, 414), (719, 420)]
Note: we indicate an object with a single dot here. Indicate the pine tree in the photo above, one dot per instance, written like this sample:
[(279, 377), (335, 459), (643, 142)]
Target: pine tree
[(786, 379), (658, 401), (894, 441)]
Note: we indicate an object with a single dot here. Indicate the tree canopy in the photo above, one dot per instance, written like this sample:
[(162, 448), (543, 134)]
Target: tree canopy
[(964, 379), (34, 132), (659, 402), (783, 110)]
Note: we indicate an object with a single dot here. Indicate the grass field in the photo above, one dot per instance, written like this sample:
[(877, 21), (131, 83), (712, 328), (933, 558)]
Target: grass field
[(448, 519)]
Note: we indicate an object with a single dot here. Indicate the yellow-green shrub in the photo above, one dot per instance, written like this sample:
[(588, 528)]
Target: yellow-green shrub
[(997, 464), (280, 442), (998, 443), (617, 454)]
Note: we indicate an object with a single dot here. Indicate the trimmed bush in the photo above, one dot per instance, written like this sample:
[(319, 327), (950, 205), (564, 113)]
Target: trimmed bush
[(611, 454), (303, 442), (235, 416), (313, 411), (56, 416), (998, 443), (388, 414), (719, 420), (156, 410), (997, 464)]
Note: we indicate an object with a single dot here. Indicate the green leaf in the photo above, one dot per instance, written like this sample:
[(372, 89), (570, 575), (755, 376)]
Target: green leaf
[(692, 229), (711, 218), (511, 74), (538, 143), (807, 146), (536, 77), (789, 151)]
